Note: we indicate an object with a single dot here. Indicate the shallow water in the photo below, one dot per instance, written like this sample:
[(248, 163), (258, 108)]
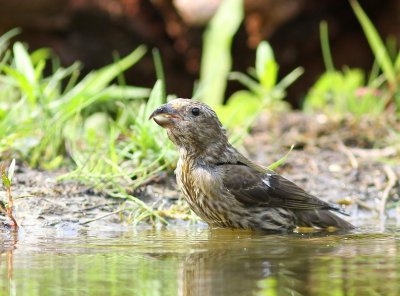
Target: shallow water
[(198, 261)]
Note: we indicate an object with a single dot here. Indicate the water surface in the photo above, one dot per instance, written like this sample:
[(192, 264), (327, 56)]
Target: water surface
[(198, 261)]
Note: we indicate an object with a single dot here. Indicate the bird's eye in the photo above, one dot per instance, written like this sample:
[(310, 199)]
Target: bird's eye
[(196, 111)]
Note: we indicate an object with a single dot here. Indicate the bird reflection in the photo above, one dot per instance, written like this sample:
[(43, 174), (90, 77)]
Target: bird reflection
[(224, 266)]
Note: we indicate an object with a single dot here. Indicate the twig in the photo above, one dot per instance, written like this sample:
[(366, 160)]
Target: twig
[(101, 217), (349, 154), (96, 207), (10, 207), (392, 179), (375, 153)]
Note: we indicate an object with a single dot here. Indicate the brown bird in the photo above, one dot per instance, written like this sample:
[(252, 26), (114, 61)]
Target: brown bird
[(226, 189)]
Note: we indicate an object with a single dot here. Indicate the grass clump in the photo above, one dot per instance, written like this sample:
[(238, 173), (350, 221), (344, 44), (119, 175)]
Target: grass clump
[(38, 110), (95, 126), (125, 153), (351, 91)]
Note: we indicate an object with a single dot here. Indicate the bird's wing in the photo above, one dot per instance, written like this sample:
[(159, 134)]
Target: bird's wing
[(253, 188)]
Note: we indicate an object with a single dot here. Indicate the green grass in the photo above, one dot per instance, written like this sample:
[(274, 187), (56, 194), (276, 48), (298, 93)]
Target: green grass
[(38, 111), (344, 92), (351, 91), (97, 127), (387, 65)]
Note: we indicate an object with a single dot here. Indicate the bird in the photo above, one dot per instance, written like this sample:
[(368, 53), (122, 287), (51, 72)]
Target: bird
[(226, 189)]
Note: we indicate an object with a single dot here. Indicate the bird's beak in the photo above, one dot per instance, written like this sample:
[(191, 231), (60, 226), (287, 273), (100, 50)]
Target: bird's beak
[(165, 115)]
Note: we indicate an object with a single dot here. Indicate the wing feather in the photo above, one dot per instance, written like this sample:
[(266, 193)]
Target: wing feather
[(254, 188)]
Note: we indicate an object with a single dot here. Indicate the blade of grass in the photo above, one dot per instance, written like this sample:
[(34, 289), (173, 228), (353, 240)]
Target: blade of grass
[(23, 62), (120, 77), (376, 43), (397, 62), (97, 80), (281, 160), (326, 51), (156, 99), (247, 81), (5, 38), (106, 74), (159, 69), (216, 60), (290, 78)]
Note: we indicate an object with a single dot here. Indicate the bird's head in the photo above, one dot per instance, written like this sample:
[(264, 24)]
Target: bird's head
[(190, 124)]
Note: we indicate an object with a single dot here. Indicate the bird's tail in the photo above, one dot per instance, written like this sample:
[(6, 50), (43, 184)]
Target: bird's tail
[(321, 219)]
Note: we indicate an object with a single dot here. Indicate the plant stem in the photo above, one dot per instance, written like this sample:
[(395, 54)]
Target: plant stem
[(10, 207)]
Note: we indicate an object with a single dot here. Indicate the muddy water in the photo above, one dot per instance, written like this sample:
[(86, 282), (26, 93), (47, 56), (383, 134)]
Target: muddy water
[(198, 261)]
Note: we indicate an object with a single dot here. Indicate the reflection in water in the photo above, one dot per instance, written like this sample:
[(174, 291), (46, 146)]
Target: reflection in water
[(223, 267), (333, 265), (200, 262), (7, 247)]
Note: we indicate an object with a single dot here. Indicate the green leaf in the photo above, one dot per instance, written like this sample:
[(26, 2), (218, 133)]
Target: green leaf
[(11, 169), (216, 61), (266, 66), (23, 62), (21, 80), (6, 181), (40, 55)]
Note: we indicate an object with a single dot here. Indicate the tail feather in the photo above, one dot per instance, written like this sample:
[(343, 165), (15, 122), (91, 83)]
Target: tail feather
[(321, 219)]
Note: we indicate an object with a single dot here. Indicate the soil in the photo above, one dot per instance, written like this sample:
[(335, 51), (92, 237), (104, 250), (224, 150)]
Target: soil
[(351, 162)]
